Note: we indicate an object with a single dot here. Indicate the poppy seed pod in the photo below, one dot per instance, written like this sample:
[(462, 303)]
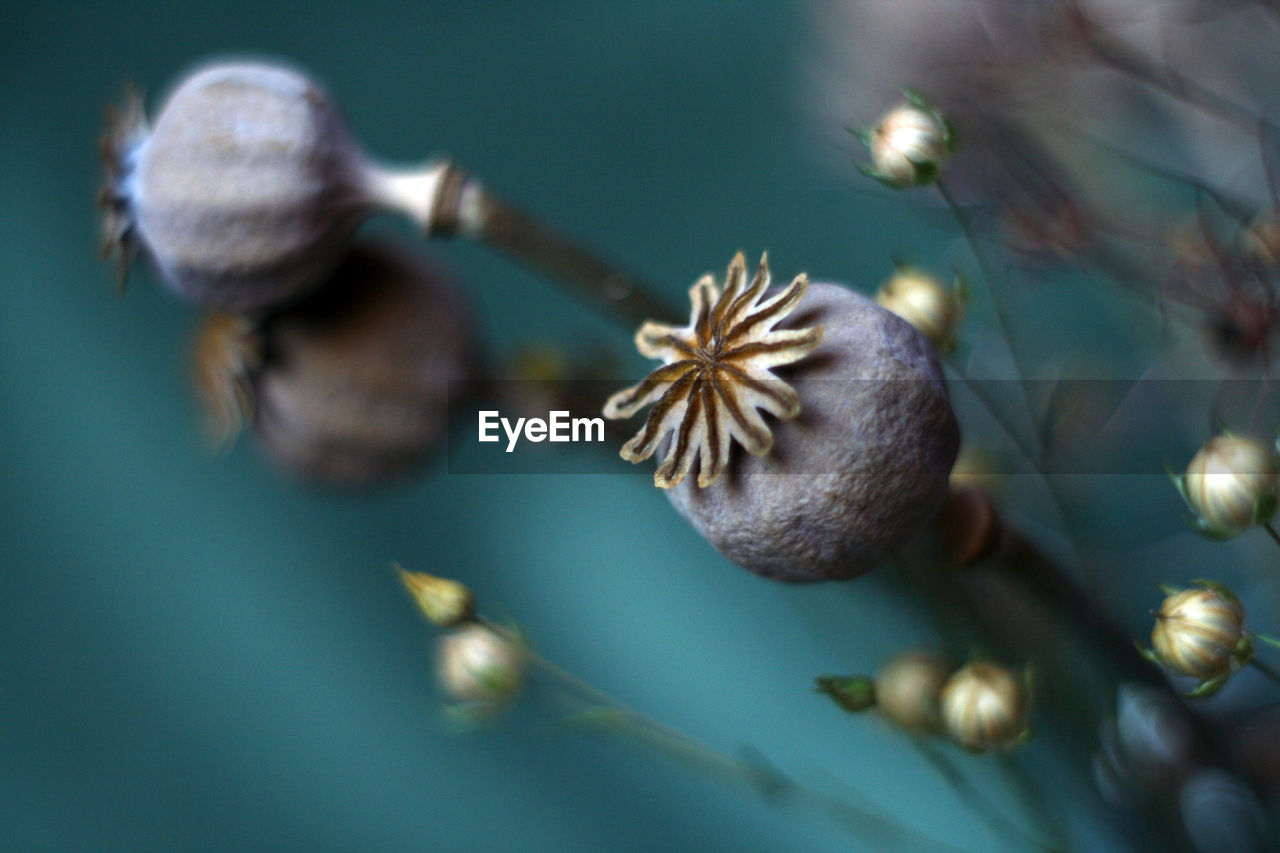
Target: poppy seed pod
[(1199, 632), (908, 687), (910, 145), (1231, 484), (922, 301), (984, 707), (354, 384), (860, 469), (246, 187), (477, 664)]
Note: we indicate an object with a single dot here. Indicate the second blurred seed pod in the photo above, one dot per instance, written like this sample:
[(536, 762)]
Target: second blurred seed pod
[(352, 386)]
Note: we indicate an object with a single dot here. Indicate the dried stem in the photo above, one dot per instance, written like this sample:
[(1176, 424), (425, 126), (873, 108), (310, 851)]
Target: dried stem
[(605, 711), (1265, 670), (1271, 531), (462, 206), (975, 798)]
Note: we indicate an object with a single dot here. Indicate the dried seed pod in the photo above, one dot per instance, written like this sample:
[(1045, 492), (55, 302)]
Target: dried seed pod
[(984, 707), (858, 472), (1232, 484), (922, 301), (246, 188), (354, 384), (1198, 632), (908, 689), (478, 664)]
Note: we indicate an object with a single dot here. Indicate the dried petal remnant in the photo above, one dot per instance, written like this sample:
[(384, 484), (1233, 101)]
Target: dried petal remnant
[(717, 372)]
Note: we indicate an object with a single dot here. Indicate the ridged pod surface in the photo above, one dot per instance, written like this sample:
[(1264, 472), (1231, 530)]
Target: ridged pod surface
[(247, 188), (858, 472)]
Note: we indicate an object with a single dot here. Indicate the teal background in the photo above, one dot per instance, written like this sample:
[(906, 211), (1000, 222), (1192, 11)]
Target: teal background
[(197, 652)]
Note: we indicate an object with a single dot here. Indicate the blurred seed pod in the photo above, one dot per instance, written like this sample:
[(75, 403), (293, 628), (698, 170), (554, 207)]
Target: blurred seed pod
[(354, 384), (985, 707), (1221, 814), (244, 189), (921, 300), (1232, 484), (1146, 748), (909, 687), (478, 664), (1200, 633)]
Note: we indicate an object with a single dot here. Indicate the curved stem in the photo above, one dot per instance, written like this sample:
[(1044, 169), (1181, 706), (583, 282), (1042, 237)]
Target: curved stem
[(604, 710), (1265, 670), (1127, 59), (975, 798)]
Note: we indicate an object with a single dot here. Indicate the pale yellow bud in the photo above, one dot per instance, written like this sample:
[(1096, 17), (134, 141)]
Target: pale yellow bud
[(479, 664), (1231, 484), (909, 145), (443, 601), (921, 300), (1198, 632), (908, 688), (984, 707)]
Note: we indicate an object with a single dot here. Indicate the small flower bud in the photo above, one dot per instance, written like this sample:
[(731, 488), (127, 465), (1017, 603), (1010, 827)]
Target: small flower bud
[(922, 301), (443, 601), (478, 664), (1199, 632), (985, 706), (908, 689), (910, 145), (1231, 485)]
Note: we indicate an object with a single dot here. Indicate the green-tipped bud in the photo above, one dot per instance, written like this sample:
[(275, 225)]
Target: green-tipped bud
[(480, 665), (923, 301), (910, 145), (1200, 633), (909, 688), (445, 602), (851, 692), (985, 707), (1231, 485)]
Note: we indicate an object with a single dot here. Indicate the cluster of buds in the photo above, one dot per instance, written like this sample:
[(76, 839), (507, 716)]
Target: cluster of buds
[(982, 706), (1199, 632), (909, 145), (919, 298), (1231, 484), (479, 666)]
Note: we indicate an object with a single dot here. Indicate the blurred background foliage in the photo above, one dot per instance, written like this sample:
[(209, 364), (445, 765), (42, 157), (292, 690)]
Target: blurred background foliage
[(198, 651)]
